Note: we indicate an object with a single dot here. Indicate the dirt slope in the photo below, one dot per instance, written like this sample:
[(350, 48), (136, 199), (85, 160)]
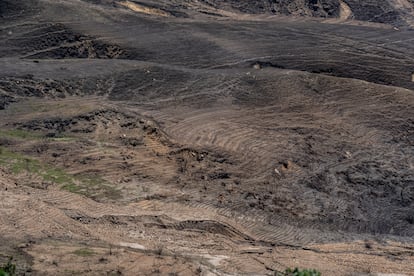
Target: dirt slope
[(206, 137)]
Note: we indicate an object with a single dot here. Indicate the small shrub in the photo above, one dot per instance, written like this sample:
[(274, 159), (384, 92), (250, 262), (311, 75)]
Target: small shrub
[(84, 252), (299, 272), (8, 269)]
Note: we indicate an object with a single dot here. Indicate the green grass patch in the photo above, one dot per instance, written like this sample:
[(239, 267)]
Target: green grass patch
[(57, 175), (95, 187), (19, 134), (88, 185), (84, 252), (18, 163), (8, 269), (72, 188), (299, 272), (92, 186)]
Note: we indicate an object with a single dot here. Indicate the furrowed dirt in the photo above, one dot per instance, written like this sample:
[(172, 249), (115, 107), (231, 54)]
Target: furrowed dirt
[(206, 137)]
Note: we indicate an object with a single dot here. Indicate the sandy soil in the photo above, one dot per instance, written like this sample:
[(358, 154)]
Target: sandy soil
[(199, 138)]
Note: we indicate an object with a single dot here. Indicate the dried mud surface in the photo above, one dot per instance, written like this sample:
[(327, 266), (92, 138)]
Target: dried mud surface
[(206, 137)]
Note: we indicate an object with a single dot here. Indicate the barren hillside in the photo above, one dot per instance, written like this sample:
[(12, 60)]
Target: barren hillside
[(207, 137)]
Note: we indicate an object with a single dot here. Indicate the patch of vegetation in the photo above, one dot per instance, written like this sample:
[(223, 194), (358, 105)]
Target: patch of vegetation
[(96, 187), (84, 252), (8, 269), (17, 162), (299, 272), (57, 175), (19, 134), (91, 186), (71, 188)]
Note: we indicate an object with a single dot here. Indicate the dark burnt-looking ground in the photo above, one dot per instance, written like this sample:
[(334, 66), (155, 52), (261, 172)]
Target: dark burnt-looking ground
[(149, 121)]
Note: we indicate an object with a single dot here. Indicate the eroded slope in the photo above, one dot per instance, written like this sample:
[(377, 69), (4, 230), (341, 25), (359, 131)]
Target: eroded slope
[(198, 145)]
